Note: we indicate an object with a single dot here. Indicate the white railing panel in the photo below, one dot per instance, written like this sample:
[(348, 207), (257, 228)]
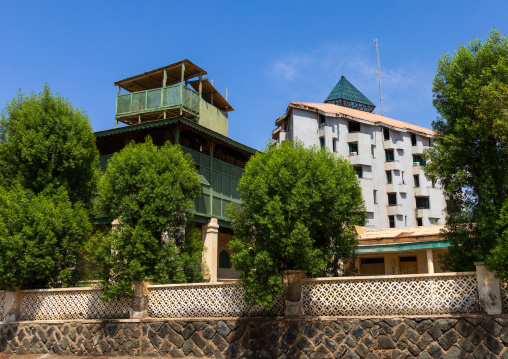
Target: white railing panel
[(71, 303), (391, 295), (204, 300), (2, 304)]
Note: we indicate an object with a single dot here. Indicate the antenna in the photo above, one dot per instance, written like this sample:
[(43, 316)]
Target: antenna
[(379, 75)]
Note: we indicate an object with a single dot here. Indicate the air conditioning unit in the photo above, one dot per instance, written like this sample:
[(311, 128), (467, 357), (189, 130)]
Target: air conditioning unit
[(416, 164), (353, 153)]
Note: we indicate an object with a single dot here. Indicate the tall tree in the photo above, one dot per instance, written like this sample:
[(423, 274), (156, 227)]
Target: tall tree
[(46, 143), (299, 210), (470, 155), (48, 171), (150, 192)]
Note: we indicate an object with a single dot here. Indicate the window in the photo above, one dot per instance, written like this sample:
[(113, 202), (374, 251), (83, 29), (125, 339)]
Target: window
[(392, 199), (321, 142), (433, 183), (354, 126), (402, 177), (322, 120), (407, 259), (353, 147), (413, 139), (422, 202), (334, 144), (391, 219), (386, 133), (224, 261), (389, 156), (418, 159), (419, 222), (430, 142), (416, 179), (388, 177), (375, 197), (359, 171), (372, 260), (373, 151)]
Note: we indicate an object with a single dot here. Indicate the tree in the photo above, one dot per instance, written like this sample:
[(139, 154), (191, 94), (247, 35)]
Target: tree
[(45, 142), (299, 210), (48, 170), (41, 238), (470, 153), (150, 192)]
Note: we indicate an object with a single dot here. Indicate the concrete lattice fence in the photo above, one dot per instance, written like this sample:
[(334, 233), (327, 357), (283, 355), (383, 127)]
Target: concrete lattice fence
[(204, 300), (418, 294), (70, 304), (2, 302), (446, 293)]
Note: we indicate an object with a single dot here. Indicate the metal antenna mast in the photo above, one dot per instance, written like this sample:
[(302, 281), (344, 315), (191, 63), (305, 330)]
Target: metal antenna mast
[(379, 75)]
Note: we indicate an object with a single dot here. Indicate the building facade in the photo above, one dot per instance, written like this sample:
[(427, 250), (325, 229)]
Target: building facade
[(386, 153), (176, 103)]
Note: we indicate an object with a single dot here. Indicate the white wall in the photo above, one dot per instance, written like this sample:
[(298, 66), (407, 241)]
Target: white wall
[(304, 125)]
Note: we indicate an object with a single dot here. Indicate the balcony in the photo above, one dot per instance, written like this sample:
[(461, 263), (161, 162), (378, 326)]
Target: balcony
[(394, 210), (392, 166), (130, 106)]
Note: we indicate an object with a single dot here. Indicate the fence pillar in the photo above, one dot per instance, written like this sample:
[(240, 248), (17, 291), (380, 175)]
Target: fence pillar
[(489, 290), (210, 236), (139, 304), (292, 282), (12, 306)]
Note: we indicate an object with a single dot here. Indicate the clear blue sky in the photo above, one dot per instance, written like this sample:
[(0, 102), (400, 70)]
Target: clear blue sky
[(266, 53)]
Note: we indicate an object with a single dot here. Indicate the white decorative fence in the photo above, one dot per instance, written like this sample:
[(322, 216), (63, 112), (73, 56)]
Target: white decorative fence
[(423, 294), (2, 304), (70, 303), (204, 300), (447, 293)]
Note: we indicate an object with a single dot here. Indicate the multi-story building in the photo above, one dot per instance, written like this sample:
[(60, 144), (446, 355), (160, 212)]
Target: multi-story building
[(176, 103), (386, 153)]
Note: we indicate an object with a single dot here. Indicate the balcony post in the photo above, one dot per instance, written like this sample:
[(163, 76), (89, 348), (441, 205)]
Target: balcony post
[(164, 82), (181, 87)]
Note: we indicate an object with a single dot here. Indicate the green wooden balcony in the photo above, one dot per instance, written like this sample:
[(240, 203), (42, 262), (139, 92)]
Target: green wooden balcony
[(219, 182), (133, 104)]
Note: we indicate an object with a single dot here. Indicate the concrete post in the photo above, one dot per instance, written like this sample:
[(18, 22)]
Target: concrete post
[(139, 304), (12, 306), (489, 290), (210, 236), (292, 282), (430, 261)]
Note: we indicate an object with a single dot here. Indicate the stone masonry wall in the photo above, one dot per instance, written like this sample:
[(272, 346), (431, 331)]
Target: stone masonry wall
[(452, 337)]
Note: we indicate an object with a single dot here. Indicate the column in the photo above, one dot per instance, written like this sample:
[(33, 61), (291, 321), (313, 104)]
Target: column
[(139, 303), (12, 306), (210, 236), (489, 290), (430, 261)]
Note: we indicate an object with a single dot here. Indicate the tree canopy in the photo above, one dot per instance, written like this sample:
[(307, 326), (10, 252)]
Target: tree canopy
[(299, 210), (150, 192), (470, 155), (45, 142), (48, 171)]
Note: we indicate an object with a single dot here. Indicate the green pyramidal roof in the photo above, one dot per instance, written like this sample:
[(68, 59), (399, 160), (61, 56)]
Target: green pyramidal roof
[(345, 94)]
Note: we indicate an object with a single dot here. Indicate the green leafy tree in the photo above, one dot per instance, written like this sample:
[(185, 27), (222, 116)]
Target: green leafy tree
[(48, 171), (470, 154), (299, 210), (41, 238), (45, 142), (150, 192)]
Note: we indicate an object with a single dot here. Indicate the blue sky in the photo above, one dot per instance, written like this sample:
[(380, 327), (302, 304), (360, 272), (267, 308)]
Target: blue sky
[(266, 53)]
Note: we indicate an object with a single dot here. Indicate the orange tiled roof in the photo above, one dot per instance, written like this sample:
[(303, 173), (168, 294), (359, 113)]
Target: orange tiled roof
[(362, 115)]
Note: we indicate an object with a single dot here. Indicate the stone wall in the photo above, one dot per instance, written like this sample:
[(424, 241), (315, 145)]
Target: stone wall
[(446, 337)]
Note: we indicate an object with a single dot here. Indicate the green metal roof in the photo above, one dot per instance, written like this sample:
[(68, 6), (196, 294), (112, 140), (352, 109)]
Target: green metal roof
[(345, 94), (194, 125), (401, 247)]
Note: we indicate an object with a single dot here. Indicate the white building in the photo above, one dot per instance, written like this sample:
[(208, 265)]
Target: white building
[(386, 153)]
